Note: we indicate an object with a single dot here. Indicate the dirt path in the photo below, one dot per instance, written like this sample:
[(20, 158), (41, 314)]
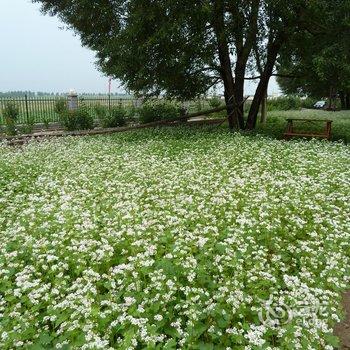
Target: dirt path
[(342, 330)]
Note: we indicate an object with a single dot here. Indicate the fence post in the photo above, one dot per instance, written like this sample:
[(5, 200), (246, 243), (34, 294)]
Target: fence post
[(26, 103), (72, 100)]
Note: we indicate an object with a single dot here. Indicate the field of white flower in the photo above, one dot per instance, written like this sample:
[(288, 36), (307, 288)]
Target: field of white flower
[(173, 239)]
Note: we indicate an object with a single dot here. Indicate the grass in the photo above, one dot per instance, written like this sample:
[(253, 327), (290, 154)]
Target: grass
[(276, 123), (173, 238)]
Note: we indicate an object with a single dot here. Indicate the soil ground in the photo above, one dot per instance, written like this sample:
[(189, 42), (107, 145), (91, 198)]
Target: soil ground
[(342, 330)]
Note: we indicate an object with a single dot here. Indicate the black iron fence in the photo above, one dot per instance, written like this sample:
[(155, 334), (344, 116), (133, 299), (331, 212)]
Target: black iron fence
[(42, 109), (35, 110)]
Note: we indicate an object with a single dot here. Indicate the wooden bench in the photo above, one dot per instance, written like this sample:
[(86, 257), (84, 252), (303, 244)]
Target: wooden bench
[(290, 132)]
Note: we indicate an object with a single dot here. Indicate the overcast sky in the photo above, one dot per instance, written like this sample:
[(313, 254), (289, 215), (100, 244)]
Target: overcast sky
[(37, 55)]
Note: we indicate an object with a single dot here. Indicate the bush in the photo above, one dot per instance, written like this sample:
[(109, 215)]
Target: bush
[(153, 111), (308, 102), (285, 103), (101, 112), (10, 113), (68, 120), (113, 118), (28, 126), (215, 102), (79, 119), (61, 106), (131, 113), (84, 120), (46, 122)]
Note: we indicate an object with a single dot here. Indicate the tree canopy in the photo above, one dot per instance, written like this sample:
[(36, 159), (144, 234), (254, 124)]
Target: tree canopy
[(182, 48), (317, 63)]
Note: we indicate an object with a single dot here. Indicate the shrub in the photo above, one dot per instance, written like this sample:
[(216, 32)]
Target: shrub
[(215, 102), (10, 113), (61, 106), (113, 118), (84, 120), (118, 116), (46, 122), (101, 112), (153, 111), (198, 105), (68, 119), (79, 119), (308, 102), (131, 113), (284, 103), (28, 126)]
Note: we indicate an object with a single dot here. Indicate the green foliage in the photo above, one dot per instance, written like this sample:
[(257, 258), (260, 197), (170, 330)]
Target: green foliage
[(28, 126), (11, 111), (79, 119), (46, 122), (317, 62), (68, 120), (131, 113), (111, 118), (117, 116), (84, 119), (61, 106), (183, 48), (276, 123), (10, 115), (308, 102), (101, 112), (291, 102), (284, 103), (153, 111), (215, 102)]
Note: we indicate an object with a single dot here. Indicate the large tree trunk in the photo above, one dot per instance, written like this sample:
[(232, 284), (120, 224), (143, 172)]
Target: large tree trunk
[(263, 116), (239, 93), (272, 53), (228, 93), (225, 61), (331, 103), (342, 100), (244, 45), (347, 100)]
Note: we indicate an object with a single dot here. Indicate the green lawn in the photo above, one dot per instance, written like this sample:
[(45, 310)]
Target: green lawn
[(174, 238), (276, 122)]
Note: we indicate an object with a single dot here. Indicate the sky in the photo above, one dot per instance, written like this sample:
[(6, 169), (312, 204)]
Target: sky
[(37, 55)]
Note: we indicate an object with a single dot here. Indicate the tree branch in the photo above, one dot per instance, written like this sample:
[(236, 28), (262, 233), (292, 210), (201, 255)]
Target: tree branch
[(275, 75)]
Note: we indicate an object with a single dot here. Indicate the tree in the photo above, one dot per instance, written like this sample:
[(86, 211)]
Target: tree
[(183, 48), (317, 63)]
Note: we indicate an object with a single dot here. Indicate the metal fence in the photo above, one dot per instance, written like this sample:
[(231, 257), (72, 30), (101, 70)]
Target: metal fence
[(42, 109)]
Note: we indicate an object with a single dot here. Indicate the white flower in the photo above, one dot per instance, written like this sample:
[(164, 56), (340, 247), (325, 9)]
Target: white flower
[(158, 317)]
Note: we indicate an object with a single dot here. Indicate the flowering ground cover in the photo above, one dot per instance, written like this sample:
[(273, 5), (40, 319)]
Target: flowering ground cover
[(173, 238)]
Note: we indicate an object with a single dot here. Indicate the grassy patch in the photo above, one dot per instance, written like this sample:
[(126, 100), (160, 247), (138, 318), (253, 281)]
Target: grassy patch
[(276, 123)]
